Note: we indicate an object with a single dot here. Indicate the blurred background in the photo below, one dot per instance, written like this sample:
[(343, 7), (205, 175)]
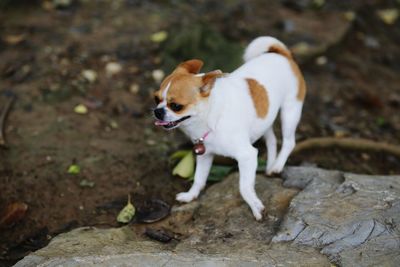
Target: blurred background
[(82, 75)]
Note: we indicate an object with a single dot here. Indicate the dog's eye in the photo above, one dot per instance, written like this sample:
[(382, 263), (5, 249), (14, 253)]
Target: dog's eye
[(175, 107), (157, 100)]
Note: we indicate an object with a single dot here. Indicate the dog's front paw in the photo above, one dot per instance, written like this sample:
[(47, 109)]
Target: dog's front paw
[(186, 196), (257, 208)]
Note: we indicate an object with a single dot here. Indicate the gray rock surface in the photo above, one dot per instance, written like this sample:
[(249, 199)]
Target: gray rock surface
[(353, 219), (315, 217)]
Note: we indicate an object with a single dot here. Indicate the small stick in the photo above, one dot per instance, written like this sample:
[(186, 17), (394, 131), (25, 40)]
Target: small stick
[(349, 143), (3, 117)]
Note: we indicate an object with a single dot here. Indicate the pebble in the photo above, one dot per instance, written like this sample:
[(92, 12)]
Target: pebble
[(89, 75), (114, 124), (150, 142), (113, 68), (371, 42), (158, 75), (134, 88), (301, 49), (321, 60)]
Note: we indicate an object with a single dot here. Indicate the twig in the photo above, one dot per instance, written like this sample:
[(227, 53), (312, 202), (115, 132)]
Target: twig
[(3, 117), (350, 143)]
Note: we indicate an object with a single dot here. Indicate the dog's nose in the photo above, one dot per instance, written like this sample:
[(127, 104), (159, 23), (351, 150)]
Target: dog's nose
[(159, 113)]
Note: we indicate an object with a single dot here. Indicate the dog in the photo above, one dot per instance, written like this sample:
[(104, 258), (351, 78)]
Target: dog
[(224, 114)]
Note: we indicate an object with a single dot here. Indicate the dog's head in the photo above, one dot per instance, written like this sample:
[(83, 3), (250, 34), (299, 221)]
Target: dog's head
[(181, 93)]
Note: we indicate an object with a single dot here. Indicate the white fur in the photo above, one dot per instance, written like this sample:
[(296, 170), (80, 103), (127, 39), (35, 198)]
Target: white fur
[(230, 114)]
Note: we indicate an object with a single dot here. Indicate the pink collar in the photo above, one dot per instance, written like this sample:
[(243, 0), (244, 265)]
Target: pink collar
[(204, 136)]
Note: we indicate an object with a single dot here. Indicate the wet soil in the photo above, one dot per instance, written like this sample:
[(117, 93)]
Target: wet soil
[(355, 93)]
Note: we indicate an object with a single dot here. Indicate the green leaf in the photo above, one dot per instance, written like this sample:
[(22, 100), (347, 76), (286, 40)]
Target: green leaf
[(380, 121), (74, 169), (159, 37), (179, 154), (127, 213), (218, 172), (185, 167), (261, 165)]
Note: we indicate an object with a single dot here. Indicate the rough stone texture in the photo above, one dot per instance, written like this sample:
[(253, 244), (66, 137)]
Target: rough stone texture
[(350, 220), (353, 219)]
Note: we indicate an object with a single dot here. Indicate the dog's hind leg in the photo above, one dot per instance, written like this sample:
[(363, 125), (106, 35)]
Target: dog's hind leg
[(290, 117), (270, 141)]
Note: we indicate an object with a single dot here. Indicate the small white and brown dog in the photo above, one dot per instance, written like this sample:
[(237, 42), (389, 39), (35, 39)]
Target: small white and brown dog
[(229, 112)]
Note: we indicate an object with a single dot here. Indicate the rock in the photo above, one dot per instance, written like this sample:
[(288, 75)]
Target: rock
[(346, 216), (340, 218)]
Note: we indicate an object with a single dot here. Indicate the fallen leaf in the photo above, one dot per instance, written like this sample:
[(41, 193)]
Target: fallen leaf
[(74, 169), (114, 124), (159, 37), (81, 109), (219, 172), (87, 183), (14, 39), (127, 213), (179, 154), (318, 3), (13, 213), (301, 48), (388, 16), (152, 211), (159, 235), (350, 15), (185, 167)]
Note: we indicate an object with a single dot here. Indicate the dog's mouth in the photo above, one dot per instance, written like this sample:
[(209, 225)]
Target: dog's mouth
[(170, 124)]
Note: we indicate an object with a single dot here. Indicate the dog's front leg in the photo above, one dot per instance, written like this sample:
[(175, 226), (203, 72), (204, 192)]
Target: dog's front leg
[(203, 166), (247, 160)]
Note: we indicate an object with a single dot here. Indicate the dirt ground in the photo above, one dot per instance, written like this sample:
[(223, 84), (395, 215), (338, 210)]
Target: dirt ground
[(353, 90)]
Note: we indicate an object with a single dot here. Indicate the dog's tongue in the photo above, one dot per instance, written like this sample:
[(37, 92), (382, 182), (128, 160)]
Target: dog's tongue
[(161, 123)]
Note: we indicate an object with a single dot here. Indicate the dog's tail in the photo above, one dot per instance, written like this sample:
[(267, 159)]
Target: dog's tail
[(265, 44)]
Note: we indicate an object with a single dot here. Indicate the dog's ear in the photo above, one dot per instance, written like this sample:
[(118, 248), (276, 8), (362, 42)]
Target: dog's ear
[(191, 66), (208, 82)]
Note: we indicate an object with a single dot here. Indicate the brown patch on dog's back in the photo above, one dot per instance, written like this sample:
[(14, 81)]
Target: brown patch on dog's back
[(259, 96), (280, 50), (301, 93)]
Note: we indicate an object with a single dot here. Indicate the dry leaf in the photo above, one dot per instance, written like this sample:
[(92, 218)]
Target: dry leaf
[(388, 16), (13, 213), (14, 39)]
